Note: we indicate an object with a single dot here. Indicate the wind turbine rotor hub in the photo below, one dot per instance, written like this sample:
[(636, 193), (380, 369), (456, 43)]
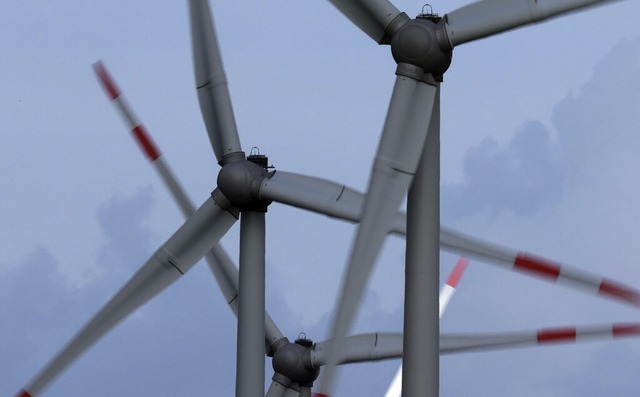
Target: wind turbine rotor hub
[(240, 182), (418, 43), (292, 361)]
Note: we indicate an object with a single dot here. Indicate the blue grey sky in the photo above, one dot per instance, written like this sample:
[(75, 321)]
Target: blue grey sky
[(539, 153)]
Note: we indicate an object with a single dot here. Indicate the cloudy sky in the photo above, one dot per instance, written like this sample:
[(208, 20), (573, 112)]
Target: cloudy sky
[(539, 153)]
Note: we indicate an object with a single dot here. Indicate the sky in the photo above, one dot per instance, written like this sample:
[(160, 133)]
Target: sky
[(539, 153)]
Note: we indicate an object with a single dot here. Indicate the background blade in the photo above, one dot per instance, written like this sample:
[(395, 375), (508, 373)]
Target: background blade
[(540, 267), (545, 336)]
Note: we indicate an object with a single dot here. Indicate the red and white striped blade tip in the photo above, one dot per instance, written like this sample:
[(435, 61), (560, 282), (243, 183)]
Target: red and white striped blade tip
[(106, 80), (553, 271), (457, 272), (140, 133), (558, 335)]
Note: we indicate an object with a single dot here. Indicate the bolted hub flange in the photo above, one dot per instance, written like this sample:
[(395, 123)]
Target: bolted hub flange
[(240, 182), (417, 43)]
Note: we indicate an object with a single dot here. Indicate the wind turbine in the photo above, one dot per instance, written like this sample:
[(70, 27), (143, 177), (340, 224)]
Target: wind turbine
[(226, 275), (246, 188), (408, 159)]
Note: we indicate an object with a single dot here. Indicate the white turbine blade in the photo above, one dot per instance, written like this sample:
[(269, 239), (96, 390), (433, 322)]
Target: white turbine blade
[(321, 196), (384, 346), (446, 293), (395, 388), (395, 164), (539, 267), (473, 342), (371, 16), (359, 348), (488, 17), (179, 253), (211, 82), (339, 201), (220, 264)]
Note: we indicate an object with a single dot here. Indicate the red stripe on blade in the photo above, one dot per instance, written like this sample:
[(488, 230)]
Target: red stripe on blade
[(320, 395), (147, 145), (619, 291), (622, 330), (537, 266), (556, 335), (458, 271), (106, 80), (23, 393)]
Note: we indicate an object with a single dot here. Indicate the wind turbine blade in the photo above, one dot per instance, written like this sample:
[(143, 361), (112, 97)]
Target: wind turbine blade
[(359, 348), (447, 290), (226, 274), (211, 82), (178, 254), (220, 264), (314, 194), (336, 200), (384, 346), (305, 391), (474, 342), (395, 388), (536, 266), (291, 392), (371, 16), (488, 17), (321, 196), (277, 389), (142, 137), (403, 138), (446, 293)]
